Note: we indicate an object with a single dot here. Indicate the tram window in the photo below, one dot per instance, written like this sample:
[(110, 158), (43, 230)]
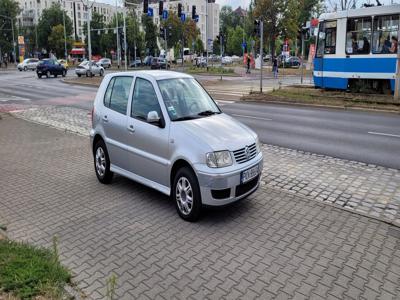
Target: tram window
[(384, 38), (326, 38), (358, 36)]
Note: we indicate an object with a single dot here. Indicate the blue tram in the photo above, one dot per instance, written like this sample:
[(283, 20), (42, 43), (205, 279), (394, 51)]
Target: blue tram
[(357, 49)]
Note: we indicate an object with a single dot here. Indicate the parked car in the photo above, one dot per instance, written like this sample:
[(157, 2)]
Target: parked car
[(105, 63), (136, 63), (226, 60), (84, 69), (28, 64), (171, 136), (200, 62), (48, 67), (292, 62), (159, 63), (64, 63), (236, 58)]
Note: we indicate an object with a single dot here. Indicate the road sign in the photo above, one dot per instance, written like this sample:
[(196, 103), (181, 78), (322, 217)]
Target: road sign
[(165, 14), (196, 18), (150, 12), (244, 45), (183, 17)]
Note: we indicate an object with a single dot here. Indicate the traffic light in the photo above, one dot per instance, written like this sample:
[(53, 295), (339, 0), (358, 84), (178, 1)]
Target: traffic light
[(193, 12), (162, 32), (179, 10), (145, 6), (160, 7), (256, 27)]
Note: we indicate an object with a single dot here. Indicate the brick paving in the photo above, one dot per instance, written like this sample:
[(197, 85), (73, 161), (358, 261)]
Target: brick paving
[(366, 189), (274, 245)]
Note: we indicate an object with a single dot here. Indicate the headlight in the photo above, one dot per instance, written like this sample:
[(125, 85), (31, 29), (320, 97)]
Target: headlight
[(219, 159), (258, 145)]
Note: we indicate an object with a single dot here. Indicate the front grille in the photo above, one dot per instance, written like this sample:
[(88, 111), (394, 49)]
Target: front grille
[(242, 157), (246, 187)]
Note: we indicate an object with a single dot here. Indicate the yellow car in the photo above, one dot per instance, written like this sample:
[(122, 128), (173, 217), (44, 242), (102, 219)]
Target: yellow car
[(64, 63)]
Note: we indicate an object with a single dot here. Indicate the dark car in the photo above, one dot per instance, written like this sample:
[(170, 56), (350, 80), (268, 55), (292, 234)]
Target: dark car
[(48, 67), (159, 63)]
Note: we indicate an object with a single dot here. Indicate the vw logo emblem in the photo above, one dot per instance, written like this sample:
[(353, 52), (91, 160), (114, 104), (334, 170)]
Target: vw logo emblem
[(247, 152)]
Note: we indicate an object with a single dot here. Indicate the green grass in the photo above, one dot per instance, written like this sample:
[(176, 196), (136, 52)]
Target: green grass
[(211, 70), (26, 271)]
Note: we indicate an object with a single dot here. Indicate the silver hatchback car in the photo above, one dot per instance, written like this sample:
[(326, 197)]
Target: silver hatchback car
[(163, 130)]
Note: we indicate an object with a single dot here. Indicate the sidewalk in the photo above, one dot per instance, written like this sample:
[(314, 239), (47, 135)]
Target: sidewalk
[(275, 244)]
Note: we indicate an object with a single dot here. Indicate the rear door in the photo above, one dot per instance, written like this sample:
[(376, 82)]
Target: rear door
[(114, 119)]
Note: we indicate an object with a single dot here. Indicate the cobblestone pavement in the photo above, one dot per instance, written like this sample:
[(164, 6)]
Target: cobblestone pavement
[(274, 245), (367, 189)]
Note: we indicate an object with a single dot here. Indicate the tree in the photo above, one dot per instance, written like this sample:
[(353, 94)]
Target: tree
[(198, 46), (135, 37), (228, 19), (50, 18), (335, 5), (10, 9), (151, 32), (56, 40), (234, 41)]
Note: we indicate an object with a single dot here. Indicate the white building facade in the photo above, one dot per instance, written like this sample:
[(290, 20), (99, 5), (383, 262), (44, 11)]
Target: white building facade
[(78, 13)]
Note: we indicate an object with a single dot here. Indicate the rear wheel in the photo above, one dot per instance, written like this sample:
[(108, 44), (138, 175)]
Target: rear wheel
[(79, 75), (48, 74), (64, 73), (102, 163), (55, 75), (25, 68), (101, 72), (87, 74), (39, 75), (186, 194)]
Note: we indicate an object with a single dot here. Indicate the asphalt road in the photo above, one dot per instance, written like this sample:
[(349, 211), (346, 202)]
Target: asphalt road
[(368, 137)]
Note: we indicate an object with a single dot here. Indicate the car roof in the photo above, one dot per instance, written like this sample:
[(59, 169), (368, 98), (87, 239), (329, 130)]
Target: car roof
[(156, 74)]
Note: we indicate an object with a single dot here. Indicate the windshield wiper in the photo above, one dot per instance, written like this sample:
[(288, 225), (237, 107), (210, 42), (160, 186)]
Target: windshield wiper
[(208, 113)]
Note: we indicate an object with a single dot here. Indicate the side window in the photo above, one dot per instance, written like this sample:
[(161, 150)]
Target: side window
[(385, 39), (144, 100), (120, 93), (326, 38), (358, 36), (107, 96)]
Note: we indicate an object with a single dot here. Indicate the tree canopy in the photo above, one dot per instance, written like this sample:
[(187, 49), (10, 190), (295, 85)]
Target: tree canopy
[(9, 10)]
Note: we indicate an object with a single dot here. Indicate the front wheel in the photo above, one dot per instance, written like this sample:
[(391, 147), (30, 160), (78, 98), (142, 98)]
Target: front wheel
[(48, 74), (79, 75), (25, 69), (39, 75), (101, 72), (64, 73), (186, 195), (102, 163)]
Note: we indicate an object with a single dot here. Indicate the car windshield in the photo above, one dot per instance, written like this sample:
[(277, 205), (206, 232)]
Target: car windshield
[(186, 99)]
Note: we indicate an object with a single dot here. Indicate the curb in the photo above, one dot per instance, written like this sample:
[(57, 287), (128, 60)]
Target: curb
[(79, 83)]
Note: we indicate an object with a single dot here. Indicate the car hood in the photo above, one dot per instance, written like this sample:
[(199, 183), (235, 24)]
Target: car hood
[(219, 132)]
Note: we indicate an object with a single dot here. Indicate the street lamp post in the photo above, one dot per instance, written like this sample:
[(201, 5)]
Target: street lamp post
[(89, 9), (125, 45), (13, 37), (117, 30)]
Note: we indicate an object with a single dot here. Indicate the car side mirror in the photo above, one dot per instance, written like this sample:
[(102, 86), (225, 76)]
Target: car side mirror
[(154, 118)]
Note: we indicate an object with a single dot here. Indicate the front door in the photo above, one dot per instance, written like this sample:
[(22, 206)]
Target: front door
[(149, 156)]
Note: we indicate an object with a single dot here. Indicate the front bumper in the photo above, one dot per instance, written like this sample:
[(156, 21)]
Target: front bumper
[(219, 189), (81, 71)]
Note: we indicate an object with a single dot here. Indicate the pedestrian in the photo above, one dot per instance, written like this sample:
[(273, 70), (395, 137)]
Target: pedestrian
[(275, 67), (248, 64)]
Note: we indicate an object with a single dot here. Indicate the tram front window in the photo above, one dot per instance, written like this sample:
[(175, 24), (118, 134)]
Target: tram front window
[(358, 36), (385, 37)]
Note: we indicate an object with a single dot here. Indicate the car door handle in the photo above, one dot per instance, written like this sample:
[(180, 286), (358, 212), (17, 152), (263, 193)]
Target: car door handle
[(131, 128), (105, 118)]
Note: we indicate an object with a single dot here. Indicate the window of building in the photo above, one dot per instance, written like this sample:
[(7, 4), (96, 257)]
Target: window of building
[(358, 35), (384, 37), (79, 6), (326, 38), (79, 15)]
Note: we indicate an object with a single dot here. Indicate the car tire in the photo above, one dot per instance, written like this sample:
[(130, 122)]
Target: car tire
[(87, 74), (186, 195), (25, 69), (20, 70), (102, 163), (64, 73), (39, 75), (48, 74), (79, 75), (101, 73), (55, 75)]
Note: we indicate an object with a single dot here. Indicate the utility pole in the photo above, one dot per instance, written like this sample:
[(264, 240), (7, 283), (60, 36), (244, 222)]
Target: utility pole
[(207, 35), (125, 48), (89, 10), (117, 30), (65, 36), (220, 44), (261, 52), (302, 56)]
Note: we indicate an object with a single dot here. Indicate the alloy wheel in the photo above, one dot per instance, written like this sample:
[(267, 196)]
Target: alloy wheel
[(100, 162), (184, 195)]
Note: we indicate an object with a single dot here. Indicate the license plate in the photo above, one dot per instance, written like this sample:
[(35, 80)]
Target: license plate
[(249, 174)]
